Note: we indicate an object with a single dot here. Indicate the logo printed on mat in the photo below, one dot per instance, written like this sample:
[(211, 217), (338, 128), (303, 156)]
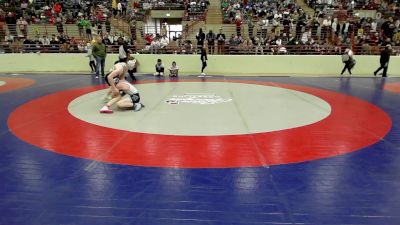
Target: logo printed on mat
[(197, 98)]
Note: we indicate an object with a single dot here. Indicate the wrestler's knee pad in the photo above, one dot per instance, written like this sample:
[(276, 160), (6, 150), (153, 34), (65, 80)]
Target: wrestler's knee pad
[(135, 98)]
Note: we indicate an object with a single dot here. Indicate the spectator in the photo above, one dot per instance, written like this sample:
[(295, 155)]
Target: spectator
[(164, 42), (99, 29), (155, 45), (45, 40), (245, 47), (159, 68), (99, 51), (23, 26), (88, 27), (384, 60), (11, 23), (108, 25), (92, 63), (119, 7), (16, 46), (221, 42), (114, 8), (211, 42), (263, 23), (238, 23), (173, 70), (57, 8), (163, 30), (123, 52), (188, 47), (106, 40), (233, 43), (200, 37), (64, 48), (250, 26), (80, 25), (59, 25), (388, 28), (259, 44)]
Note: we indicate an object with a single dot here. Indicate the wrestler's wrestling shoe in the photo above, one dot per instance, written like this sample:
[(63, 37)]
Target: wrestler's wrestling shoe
[(106, 109), (138, 107)]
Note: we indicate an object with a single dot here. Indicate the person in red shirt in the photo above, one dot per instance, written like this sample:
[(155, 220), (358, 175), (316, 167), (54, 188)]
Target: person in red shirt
[(148, 38), (57, 8), (238, 26)]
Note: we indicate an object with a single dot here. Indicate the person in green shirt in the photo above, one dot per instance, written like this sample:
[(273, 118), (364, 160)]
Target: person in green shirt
[(88, 26), (99, 51), (224, 5), (80, 27)]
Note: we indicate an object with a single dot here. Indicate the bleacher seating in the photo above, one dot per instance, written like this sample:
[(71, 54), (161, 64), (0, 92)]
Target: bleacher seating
[(279, 27)]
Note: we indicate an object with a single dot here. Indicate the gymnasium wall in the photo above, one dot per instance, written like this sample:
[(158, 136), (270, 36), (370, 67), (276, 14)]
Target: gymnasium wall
[(304, 65)]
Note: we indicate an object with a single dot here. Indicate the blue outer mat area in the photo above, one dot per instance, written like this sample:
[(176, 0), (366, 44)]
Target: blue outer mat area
[(43, 188)]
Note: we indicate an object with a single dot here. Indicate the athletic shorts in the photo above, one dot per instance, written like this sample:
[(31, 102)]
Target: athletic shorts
[(106, 79)]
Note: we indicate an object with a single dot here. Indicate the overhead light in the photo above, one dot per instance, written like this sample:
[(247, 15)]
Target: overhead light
[(168, 14)]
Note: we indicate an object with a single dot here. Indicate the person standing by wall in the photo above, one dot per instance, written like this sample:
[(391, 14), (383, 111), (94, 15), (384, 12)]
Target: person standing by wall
[(99, 51), (204, 59), (221, 42), (211, 42), (384, 60), (91, 58), (200, 39), (123, 51)]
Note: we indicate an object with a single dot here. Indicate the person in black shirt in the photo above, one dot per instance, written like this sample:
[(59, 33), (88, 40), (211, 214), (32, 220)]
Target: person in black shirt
[(200, 39), (221, 42), (211, 42), (384, 60), (388, 28), (204, 59)]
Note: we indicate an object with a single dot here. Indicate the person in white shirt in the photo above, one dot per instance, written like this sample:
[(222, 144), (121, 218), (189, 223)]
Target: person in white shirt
[(326, 26), (44, 40), (155, 45), (347, 59), (92, 63), (374, 24), (9, 38), (119, 7), (23, 26), (334, 26), (173, 70), (305, 36), (264, 27), (164, 42)]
